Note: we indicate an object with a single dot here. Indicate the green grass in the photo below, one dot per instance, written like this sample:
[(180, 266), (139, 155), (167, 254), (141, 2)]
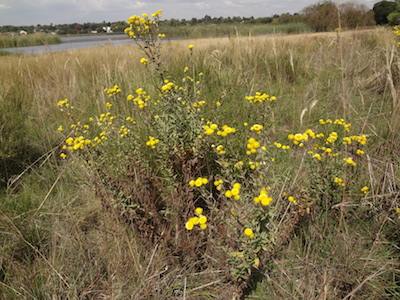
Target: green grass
[(57, 239), (218, 30), (8, 41)]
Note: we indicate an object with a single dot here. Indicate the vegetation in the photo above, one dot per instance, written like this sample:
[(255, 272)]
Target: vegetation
[(382, 10), (324, 16), (10, 41), (263, 167), (214, 30)]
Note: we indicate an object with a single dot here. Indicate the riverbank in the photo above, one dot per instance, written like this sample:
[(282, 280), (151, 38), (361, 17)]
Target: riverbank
[(15, 41)]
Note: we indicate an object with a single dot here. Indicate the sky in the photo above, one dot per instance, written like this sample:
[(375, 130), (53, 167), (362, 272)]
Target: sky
[(32, 12)]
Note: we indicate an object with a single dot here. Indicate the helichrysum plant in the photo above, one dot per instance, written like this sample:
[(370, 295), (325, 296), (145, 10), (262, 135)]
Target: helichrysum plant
[(211, 191)]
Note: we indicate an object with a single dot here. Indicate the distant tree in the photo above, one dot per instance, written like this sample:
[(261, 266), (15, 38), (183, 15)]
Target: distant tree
[(382, 10), (322, 16), (355, 15)]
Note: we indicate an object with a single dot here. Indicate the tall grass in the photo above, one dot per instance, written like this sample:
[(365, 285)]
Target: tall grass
[(10, 41), (56, 240)]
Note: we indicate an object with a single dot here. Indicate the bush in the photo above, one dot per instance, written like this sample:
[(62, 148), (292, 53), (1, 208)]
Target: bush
[(218, 198), (382, 10), (394, 18)]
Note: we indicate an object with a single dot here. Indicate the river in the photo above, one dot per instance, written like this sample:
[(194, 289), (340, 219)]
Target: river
[(73, 42)]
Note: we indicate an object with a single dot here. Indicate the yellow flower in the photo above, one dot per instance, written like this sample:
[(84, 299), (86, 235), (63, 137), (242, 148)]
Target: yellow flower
[(152, 142), (260, 97), (317, 156), (349, 161), (332, 138), (198, 182), (161, 36), (360, 152), (157, 13), (190, 47), (234, 192), (144, 61), (263, 198), (210, 128), (108, 105), (63, 156), (226, 130), (292, 199), (252, 146), (203, 226), (365, 190), (189, 225), (60, 128), (257, 128), (112, 91), (198, 211), (218, 184), (248, 232), (220, 150), (339, 181), (202, 219), (123, 131)]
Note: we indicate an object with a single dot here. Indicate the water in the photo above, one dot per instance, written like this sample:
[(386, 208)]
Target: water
[(72, 43)]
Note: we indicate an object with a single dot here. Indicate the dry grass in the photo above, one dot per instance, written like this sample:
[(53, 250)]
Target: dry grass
[(56, 241)]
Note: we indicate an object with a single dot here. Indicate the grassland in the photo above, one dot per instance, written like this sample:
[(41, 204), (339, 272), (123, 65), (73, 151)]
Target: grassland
[(235, 29), (56, 239), (9, 41)]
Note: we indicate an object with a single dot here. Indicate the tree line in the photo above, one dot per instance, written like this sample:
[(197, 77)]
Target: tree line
[(322, 16)]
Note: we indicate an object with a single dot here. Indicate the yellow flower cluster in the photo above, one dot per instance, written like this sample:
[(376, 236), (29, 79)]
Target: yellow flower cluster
[(123, 131), (257, 128), (199, 182), (292, 199), (248, 232), (218, 184), (339, 181), (253, 165), (263, 198), (199, 104), (144, 61), (112, 91), (300, 138), (365, 190), (332, 138), (349, 161), (360, 139), (140, 26), (210, 128), (152, 142), (168, 86), (63, 103), (260, 97), (199, 220), (234, 192), (252, 146), (226, 130), (220, 150), (105, 119), (76, 143), (346, 126), (141, 99), (281, 146)]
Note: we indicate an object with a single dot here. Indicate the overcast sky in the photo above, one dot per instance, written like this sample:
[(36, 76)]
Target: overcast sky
[(32, 12)]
